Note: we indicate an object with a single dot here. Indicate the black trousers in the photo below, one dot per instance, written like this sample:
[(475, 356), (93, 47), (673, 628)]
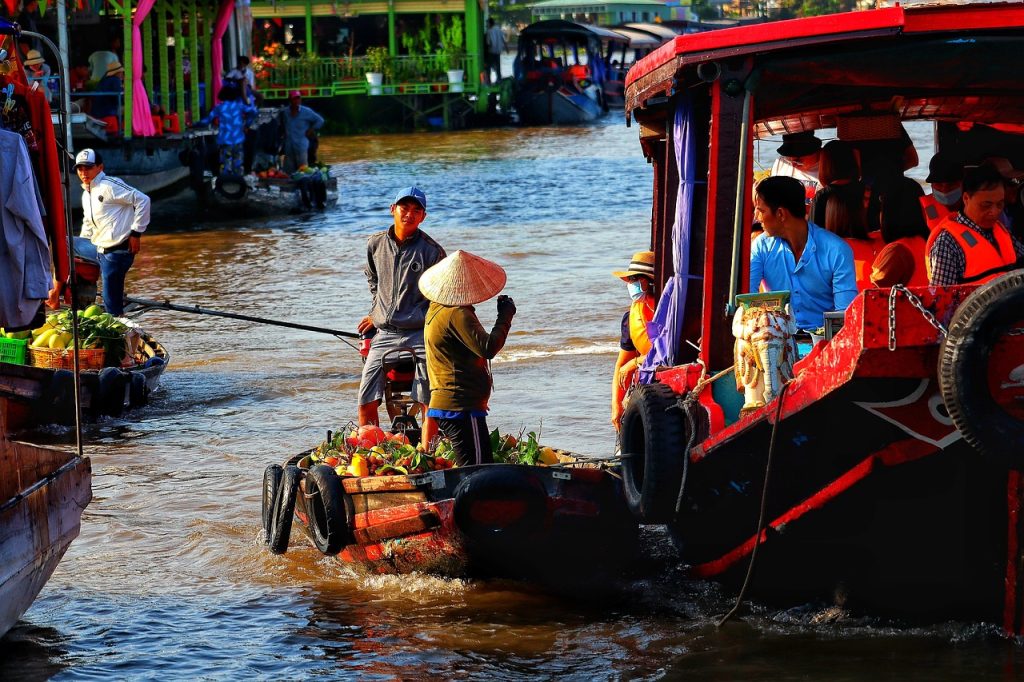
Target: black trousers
[(470, 439)]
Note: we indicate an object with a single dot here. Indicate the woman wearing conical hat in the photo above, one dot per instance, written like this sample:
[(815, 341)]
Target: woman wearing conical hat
[(458, 349), (634, 344)]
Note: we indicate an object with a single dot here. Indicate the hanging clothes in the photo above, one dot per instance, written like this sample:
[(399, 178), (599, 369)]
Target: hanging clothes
[(24, 252), (31, 114)]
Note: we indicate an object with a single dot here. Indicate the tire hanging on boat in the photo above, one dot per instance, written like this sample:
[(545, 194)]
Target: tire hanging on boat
[(284, 508), (981, 377), (138, 392), (110, 391), (271, 485), (653, 444), (499, 505), (330, 522)]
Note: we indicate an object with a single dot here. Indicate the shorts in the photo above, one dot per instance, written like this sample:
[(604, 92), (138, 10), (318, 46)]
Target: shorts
[(469, 437), (371, 387)]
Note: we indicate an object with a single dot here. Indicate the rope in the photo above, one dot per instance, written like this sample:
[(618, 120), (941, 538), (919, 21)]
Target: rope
[(761, 517)]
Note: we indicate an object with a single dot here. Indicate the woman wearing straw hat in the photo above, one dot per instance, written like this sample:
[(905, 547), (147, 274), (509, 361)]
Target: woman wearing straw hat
[(37, 70), (108, 104), (458, 349), (634, 344)]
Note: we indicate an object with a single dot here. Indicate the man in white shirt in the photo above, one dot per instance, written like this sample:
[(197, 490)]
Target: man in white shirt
[(798, 158), (114, 216)]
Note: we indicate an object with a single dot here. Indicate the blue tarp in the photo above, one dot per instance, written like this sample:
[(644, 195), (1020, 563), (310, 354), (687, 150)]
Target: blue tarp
[(666, 328)]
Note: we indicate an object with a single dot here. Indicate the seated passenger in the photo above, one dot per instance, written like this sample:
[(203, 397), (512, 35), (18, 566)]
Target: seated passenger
[(905, 232), (945, 175), (815, 265), (839, 173), (968, 245), (1013, 213), (799, 158), (845, 218), (634, 343)]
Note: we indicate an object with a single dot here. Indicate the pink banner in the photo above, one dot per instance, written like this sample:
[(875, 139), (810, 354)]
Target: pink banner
[(142, 121), (220, 27)]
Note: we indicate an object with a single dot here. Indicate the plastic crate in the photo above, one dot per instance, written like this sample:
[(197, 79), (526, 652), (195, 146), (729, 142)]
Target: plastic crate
[(13, 350)]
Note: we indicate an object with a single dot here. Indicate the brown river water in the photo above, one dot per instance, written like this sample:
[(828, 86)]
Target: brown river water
[(170, 578)]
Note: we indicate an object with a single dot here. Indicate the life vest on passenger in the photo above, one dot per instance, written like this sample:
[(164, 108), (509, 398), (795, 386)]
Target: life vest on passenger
[(640, 313), (864, 252), (978, 251), (934, 211), (916, 246)]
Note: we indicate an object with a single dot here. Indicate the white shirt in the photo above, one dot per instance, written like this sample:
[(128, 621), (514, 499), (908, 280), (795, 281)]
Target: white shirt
[(112, 210), (782, 167)]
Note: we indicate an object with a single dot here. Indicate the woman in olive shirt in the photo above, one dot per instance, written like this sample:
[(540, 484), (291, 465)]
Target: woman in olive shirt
[(458, 349)]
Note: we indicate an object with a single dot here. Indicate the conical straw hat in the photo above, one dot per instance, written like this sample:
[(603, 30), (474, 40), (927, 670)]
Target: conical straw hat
[(462, 279)]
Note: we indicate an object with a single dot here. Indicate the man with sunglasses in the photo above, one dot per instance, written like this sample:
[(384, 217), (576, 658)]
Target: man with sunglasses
[(114, 216), (395, 260)]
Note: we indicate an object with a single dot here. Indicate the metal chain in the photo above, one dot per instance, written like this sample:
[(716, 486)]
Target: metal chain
[(916, 303)]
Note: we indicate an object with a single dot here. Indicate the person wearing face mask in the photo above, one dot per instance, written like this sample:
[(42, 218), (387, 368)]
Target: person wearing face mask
[(945, 175), (634, 344)]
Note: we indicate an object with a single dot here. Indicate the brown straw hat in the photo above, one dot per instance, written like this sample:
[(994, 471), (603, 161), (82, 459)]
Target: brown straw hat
[(462, 279), (642, 264), (33, 57), (114, 68)]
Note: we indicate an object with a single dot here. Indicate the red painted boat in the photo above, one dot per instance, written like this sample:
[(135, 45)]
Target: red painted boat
[(534, 522), (888, 472)]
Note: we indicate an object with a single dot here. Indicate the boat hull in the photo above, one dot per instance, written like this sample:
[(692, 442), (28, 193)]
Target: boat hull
[(572, 519), (43, 493), (559, 107), (41, 395)]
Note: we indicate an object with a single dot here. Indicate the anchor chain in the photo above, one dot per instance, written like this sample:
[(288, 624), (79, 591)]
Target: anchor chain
[(916, 303)]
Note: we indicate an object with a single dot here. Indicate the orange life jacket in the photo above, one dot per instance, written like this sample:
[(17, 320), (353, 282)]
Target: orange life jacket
[(934, 212), (980, 254), (864, 252), (916, 246), (640, 313)]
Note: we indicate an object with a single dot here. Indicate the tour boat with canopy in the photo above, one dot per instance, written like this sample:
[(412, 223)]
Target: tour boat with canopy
[(887, 472)]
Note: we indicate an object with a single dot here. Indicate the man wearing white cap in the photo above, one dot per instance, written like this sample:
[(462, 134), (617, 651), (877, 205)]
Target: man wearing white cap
[(114, 216), (395, 260), (458, 349)]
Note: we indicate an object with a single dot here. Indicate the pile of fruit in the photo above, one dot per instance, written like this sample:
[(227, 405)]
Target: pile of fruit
[(371, 451), (508, 449), (272, 173), (96, 329), (306, 171)]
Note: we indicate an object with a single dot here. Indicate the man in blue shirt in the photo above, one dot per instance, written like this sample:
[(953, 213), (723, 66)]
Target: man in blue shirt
[(300, 126), (814, 265)]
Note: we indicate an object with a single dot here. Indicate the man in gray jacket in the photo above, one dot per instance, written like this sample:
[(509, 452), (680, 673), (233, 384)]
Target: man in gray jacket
[(395, 259)]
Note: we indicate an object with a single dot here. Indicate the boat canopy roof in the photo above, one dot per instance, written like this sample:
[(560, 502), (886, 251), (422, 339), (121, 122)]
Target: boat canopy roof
[(639, 39), (663, 32), (957, 62), (540, 30)]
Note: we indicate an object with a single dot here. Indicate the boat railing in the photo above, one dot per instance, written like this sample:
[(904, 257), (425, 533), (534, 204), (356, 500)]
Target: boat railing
[(331, 76)]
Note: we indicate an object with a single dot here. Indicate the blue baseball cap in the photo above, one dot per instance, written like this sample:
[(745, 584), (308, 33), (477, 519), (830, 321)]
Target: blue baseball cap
[(412, 193)]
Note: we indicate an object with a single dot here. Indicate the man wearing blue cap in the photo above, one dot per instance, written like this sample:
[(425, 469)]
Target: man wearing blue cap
[(395, 259)]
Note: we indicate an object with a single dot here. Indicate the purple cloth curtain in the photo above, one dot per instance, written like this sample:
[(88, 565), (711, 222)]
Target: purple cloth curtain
[(142, 121), (665, 329), (220, 27)]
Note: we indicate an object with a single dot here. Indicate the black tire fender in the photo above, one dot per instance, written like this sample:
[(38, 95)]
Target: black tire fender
[(231, 186), (966, 359), (330, 521), (653, 442), (498, 483), (138, 392), (284, 509), (271, 485), (110, 391)]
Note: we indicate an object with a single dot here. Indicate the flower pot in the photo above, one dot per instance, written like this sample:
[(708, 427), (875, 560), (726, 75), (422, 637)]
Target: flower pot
[(375, 80), (455, 80)]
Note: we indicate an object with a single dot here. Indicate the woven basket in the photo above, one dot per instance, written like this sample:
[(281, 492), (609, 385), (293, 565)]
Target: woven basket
[(64, 358)]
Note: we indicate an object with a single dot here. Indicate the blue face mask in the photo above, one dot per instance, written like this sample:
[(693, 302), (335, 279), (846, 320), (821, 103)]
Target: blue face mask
[(948, 198), (636, 290)]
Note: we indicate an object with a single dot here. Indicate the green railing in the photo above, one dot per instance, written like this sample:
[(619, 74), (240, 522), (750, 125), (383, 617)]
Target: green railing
[(330, 76)]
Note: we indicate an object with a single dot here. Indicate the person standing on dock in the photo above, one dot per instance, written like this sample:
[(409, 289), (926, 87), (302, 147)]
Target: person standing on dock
[(114, 216), (300, 123), (634, 343), (395, 260), (496, 46), (459, 349)]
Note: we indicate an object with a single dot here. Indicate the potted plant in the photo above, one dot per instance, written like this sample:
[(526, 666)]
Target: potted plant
[(452, 52), (378, 63)]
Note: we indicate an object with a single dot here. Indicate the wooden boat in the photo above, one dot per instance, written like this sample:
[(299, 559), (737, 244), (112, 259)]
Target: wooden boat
[(44, 395), (890, 467), (42, 494), (253, 195), (534, 522), (560, 71)]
